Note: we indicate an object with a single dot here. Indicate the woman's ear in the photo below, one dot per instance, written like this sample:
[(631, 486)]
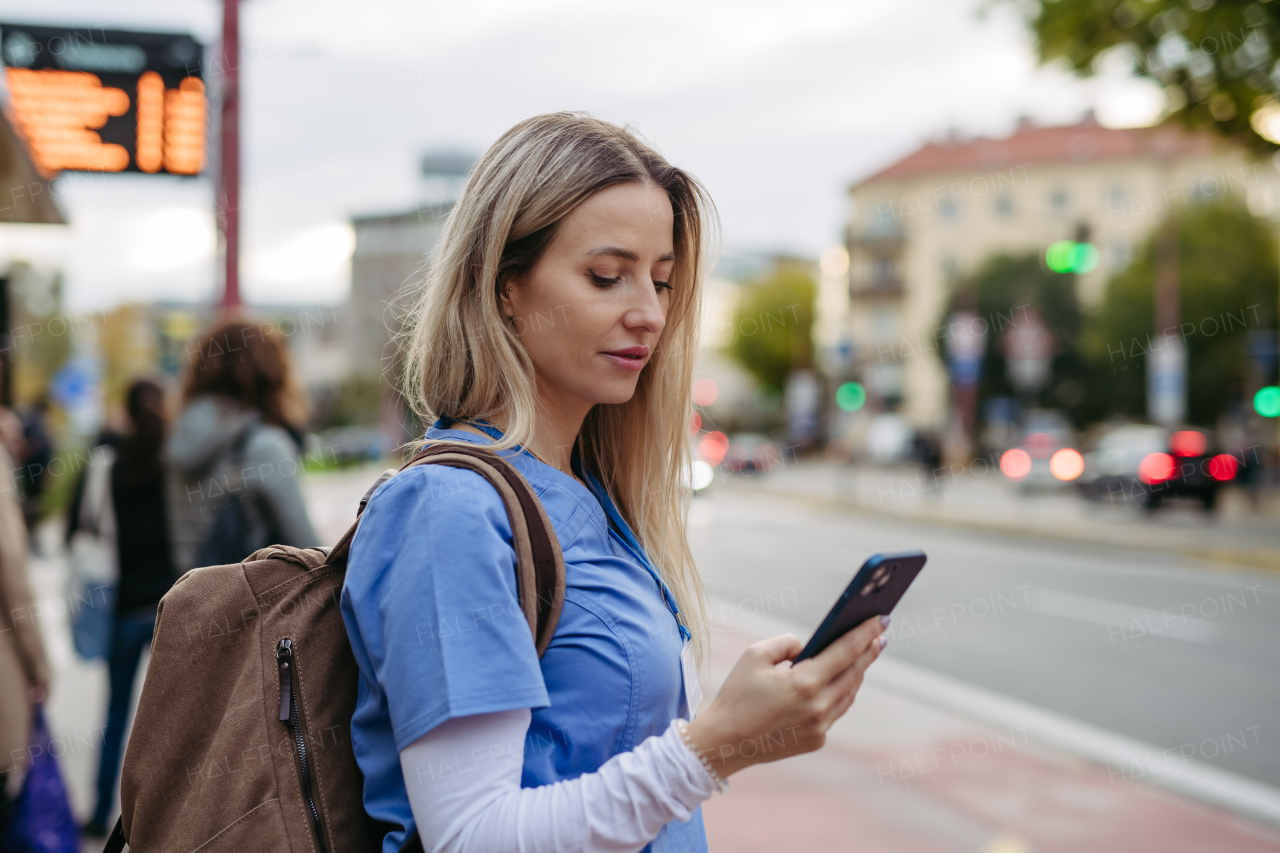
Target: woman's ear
[(506, 289)]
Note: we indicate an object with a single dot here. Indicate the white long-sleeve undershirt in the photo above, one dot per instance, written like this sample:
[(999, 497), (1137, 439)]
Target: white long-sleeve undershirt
[(463, 780)]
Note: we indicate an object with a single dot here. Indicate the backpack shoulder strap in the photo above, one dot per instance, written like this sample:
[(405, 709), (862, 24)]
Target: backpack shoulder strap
[(540, 576)]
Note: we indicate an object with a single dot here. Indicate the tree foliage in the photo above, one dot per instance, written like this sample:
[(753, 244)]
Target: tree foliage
[(1227, 279), (1215, 60), (773, 324), (999, 292)]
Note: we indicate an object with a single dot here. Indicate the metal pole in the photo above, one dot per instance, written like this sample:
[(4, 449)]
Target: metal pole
[(228, 200), (1167, 360), (6, 347), (1167, 299)]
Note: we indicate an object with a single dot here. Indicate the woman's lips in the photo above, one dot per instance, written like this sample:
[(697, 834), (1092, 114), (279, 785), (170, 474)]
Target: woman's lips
[(629, 358)]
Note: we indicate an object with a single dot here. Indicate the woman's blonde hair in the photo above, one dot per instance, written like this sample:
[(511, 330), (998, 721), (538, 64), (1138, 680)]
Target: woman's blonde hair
[(463, 361)]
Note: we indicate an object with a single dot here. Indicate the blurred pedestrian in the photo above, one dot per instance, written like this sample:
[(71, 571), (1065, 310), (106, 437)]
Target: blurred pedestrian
[(24, 672), (234, 454), (146, 571), (91, 548), (37, 453)]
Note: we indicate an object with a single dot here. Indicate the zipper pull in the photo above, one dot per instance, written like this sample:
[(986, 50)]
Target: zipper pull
[(284, 661)]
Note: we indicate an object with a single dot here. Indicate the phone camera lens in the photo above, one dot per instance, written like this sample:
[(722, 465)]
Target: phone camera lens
[(866, 590)]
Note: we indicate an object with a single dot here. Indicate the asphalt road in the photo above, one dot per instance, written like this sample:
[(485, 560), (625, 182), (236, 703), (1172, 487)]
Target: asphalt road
[(1174, 652)]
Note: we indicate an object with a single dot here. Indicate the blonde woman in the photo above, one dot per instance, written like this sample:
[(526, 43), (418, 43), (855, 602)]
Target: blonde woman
[(558, 325)]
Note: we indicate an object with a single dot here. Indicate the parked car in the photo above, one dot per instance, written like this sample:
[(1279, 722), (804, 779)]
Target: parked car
[(749, 453), (1044, 457), (1145, 465)]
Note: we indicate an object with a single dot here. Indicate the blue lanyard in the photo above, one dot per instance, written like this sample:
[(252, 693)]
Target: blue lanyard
[(620, 526), (616, 521)]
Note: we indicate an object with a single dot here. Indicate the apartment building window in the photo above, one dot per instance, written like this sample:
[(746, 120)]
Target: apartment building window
[(883, 218), (950, 268), (949, 209), (1119, 253), (1116, 200), (1059, 202), (1004, 206), (884, 272), (884, 324)]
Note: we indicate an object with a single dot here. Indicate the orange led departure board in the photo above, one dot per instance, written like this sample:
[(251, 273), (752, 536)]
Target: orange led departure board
[(106, 100)]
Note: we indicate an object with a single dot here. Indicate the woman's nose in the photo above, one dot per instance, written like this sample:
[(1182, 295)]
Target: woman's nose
[(646, 312)]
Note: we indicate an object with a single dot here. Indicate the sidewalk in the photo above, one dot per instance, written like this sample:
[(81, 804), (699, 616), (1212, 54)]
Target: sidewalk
[(983, 499), (900, 775)]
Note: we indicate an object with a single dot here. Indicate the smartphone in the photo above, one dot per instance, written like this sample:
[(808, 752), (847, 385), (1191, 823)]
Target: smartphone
[(874, 591)]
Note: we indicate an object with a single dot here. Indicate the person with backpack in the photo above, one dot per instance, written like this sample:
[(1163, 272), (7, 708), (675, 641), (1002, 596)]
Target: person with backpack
[(557, 329), (233, 456), (145, 570)]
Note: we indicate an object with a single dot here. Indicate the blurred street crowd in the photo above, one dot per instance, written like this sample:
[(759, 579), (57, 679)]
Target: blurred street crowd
[(204, 474)]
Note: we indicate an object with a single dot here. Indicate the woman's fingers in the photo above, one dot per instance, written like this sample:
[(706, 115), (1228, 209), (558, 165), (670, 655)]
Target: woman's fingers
[(777, 649), (846, 686), (841, 654)]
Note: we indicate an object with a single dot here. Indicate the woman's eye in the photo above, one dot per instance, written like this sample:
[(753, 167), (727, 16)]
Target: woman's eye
[(659, 285), (601, 281)]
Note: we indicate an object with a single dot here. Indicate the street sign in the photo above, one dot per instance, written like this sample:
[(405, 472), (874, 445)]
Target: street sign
[(103, 100), (1167, 381), (966, 343), (1028, 351)]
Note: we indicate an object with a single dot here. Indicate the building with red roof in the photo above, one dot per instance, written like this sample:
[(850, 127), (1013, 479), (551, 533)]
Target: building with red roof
[(923, 222)]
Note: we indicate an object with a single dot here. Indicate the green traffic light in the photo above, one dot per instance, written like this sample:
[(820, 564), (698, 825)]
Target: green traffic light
[(1060, 255), (1068, 256), (1267, 401), (851, 396), (1084, 257)]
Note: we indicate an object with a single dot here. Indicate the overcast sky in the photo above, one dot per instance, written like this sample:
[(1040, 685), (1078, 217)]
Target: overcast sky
[(776, 107)]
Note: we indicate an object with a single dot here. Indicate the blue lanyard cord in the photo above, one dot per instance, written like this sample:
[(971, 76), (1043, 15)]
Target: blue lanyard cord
[(616, 521), (620, 526)]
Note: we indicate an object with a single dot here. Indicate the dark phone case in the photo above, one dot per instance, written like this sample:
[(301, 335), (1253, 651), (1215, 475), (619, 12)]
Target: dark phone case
[(852, 608)]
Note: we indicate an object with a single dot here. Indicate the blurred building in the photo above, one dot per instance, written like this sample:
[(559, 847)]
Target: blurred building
[(729, 404), (390, 255), (160, 336), (389, 259), (927, 220)]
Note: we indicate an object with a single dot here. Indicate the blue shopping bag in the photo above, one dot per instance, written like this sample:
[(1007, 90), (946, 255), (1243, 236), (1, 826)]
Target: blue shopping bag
[(93, 615), (42, 820)]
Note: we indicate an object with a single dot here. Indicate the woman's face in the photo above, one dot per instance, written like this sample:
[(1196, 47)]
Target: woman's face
[(591, 310)]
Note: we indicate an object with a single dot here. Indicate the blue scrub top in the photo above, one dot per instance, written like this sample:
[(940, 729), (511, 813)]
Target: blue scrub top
[(430, 607)]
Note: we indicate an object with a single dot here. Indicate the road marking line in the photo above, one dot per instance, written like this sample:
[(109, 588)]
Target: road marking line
[(1122, 754), (1129, 620)]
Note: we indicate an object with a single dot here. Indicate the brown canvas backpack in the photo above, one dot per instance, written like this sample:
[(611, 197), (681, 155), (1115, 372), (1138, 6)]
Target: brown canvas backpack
[(242, 738)]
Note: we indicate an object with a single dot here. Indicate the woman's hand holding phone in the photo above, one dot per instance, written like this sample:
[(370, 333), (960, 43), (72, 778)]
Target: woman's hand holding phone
[(767, 711)]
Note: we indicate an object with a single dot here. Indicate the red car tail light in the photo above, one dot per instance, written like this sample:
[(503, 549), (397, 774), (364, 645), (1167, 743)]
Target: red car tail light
[(1187, 442), (1156, 468), (1067, 464), (713, 447), (1040, 445), (1223, 467), (1015, 464)]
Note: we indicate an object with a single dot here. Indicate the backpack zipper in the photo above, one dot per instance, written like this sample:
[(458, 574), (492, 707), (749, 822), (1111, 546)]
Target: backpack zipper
[(289, 716)]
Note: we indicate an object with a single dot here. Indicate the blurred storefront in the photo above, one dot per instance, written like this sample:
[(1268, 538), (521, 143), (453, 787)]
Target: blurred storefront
[(27, 295)]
